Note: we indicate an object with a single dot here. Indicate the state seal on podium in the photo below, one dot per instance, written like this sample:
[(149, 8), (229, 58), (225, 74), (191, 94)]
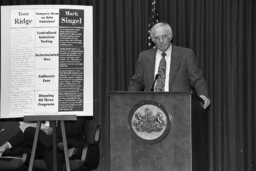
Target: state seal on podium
[(149, 121)]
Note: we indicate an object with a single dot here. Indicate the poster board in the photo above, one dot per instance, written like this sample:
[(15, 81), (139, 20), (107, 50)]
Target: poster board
[(46, 60)]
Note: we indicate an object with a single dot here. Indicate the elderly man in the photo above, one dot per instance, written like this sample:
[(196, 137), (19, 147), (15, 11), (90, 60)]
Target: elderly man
[(168, 67)]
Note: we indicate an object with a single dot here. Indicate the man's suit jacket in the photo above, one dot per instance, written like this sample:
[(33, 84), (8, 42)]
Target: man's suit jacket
[(7, 130), (184, 72), (73, 129)]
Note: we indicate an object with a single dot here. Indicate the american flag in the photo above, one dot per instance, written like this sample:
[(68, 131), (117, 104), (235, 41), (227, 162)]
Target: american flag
[(153, 19)]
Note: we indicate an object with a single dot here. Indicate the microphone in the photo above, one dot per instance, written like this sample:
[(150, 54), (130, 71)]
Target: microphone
[(153, 85)]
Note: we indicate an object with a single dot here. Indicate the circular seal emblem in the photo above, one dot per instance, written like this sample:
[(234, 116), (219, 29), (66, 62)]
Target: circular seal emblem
[(149, 121)]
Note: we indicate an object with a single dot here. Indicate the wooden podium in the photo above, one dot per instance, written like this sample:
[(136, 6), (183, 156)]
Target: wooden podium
[(150, 131)]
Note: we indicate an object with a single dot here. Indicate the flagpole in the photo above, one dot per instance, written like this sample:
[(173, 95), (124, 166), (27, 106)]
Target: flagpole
[(153, 19)]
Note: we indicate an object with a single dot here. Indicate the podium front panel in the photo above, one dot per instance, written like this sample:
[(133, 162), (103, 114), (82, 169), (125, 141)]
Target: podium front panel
[(170, 152)]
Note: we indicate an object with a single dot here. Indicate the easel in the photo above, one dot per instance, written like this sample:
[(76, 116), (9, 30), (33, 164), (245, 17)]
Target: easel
[(54, 118)]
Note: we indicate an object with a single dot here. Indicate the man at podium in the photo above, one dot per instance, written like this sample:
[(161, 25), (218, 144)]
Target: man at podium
[(168, 67)]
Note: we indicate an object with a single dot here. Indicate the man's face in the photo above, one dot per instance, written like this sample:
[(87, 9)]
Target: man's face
[(162, 38)]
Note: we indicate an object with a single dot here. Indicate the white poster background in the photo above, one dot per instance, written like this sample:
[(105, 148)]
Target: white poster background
[(19, 45)]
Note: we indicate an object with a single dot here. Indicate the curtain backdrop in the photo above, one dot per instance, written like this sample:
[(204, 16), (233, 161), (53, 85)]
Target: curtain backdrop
[(222, 34)]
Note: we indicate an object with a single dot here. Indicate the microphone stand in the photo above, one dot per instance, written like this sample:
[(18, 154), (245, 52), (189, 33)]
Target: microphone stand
[(153, 85)]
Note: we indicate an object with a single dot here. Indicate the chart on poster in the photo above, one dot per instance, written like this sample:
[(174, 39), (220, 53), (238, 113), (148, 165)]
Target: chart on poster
[(46, 60)]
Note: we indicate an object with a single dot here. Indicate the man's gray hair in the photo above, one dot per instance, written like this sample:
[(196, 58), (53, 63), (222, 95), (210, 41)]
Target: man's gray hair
[(161, 24)]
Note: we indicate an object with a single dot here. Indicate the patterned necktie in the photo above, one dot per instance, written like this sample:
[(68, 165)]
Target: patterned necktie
[(160, 83)]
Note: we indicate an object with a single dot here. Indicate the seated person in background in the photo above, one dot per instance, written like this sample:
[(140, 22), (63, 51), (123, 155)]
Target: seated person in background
[(44, 148), (26, 134)]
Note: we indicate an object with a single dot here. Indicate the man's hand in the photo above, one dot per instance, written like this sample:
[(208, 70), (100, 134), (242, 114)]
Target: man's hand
[(206, 101), (4, 147)]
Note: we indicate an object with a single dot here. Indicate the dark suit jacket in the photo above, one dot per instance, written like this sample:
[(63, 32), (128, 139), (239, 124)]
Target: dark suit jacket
[(7, 130), (184, 72), (74, 131)]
